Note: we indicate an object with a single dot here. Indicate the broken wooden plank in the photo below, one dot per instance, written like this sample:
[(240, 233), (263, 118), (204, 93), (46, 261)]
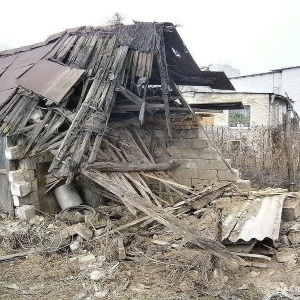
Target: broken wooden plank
[(121, 248), (250, 255), (115, 167), (16, 255), (162, 217)]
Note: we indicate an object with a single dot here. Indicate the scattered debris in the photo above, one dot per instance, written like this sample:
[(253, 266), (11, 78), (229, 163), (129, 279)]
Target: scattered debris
[(97, 275), (288, 256)]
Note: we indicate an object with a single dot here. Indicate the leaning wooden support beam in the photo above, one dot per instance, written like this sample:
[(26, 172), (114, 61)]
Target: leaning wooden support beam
[(114, 167), (164, 77), (162, 217)]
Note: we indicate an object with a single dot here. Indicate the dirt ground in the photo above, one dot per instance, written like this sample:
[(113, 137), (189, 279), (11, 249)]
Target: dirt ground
[(157, 266)]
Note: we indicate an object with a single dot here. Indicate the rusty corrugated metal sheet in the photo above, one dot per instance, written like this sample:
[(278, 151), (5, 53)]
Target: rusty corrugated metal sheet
[(50, 80), (254, 219), (8, 78)]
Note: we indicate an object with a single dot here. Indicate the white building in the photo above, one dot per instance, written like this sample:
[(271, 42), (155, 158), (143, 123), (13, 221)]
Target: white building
[(285, 81)]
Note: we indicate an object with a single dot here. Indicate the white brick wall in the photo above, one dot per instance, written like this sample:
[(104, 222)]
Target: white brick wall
[(259, 106)]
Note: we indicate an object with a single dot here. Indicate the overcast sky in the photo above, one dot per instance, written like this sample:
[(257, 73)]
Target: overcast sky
[(251, 35)]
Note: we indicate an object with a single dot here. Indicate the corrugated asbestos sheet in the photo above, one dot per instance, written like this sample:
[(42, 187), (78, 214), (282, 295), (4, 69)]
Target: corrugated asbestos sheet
[(50, 80), (254, 219)]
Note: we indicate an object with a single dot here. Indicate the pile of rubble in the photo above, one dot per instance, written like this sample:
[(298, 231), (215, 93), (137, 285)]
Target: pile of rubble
[(106, 241)]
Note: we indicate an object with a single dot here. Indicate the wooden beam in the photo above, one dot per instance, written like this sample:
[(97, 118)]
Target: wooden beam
[(115, 167)]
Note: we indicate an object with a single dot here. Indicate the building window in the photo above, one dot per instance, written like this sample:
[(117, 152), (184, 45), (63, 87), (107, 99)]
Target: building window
[(239, 117)]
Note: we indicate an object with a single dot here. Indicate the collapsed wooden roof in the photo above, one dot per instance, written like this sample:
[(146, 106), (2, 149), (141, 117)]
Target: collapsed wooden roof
[(73, 92), (82, 79)]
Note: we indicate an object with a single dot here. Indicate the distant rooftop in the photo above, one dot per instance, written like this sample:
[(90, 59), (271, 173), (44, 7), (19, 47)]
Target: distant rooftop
[(264, 73)]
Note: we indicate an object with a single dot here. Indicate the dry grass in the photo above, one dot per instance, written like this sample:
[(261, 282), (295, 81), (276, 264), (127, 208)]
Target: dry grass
[(259, 153)]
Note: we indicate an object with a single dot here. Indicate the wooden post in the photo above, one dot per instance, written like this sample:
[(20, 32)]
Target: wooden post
[(288, 147)]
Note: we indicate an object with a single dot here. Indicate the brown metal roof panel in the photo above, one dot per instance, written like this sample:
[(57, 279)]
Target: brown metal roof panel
[(16, 50), (50, 80), (5, 95), (8, 78), (5, 61), (31, 57), (55, 36), (41, 44)]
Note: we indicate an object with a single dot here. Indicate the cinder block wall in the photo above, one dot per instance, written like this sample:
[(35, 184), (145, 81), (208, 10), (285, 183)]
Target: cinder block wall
[(199, 161)]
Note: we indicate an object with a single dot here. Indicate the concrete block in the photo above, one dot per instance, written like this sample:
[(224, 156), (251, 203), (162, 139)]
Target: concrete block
[(199, 144), (16, 176), (190, 133), (83, 231), (202, 164), (291, 210), (21, 175), (20, 189), (29, 175), (189, 173), (175, 152), (25, 212), (190, 153), (180, 143), (15, 152), (188, 164), (31, 198), (28, 163), (228, 176), (216, 164), (243, 184), (207, 153), (176, 134), (196, 182), (186, 182), (207, 174)]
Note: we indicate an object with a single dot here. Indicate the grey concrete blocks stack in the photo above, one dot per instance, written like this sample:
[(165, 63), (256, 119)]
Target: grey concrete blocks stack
[(23, 185), (199, 161), (25, 212), (228, 175)]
